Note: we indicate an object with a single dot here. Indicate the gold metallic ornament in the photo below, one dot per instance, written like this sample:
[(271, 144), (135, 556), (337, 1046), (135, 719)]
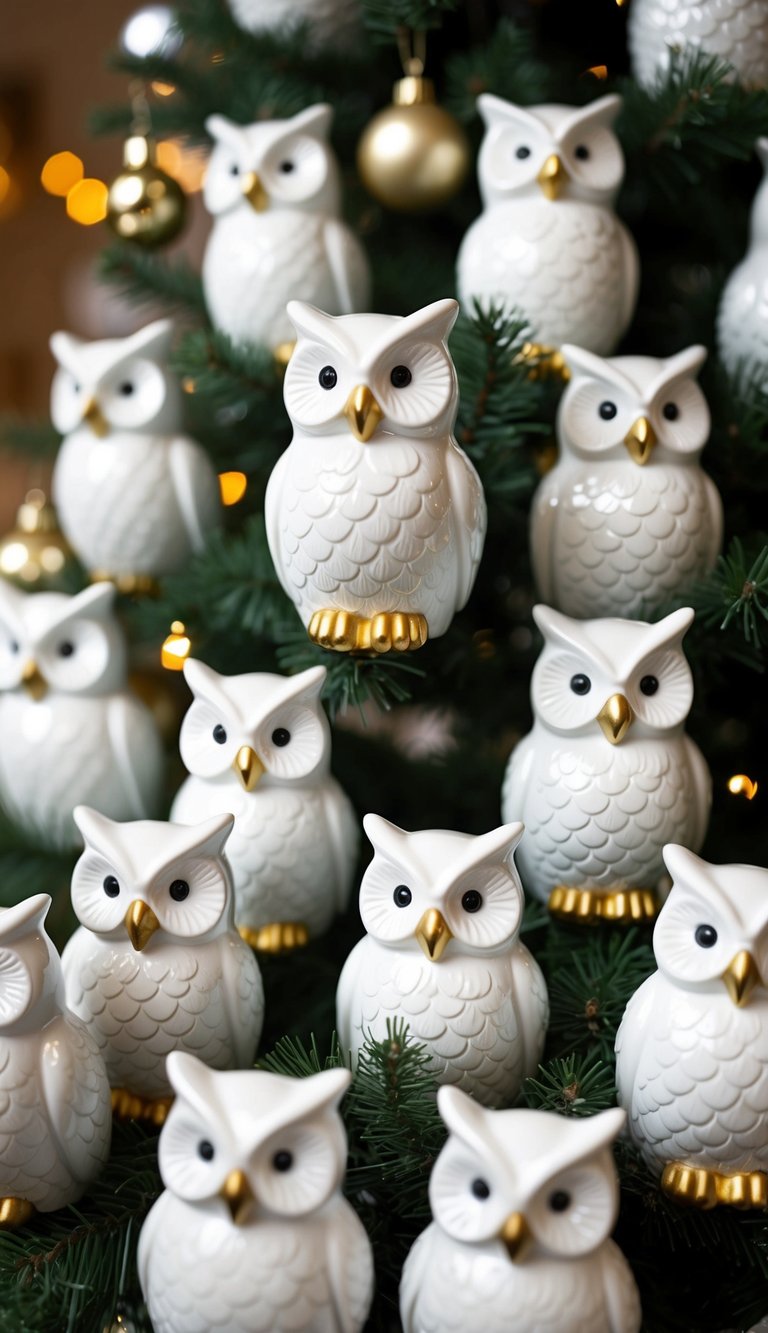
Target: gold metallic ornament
[(248, 767), (277, 937), (704, 1188), (145, 205), (127, 1105), (621, 907), (15, 1213), (433, 934), (130, 585), (413, 155), (640, 441), (345, 632), (35, 552), (615, 718), (176, 647), (363, 413), (141, 923)]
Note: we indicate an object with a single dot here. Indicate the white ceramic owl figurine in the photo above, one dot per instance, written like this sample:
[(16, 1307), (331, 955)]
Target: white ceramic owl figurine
[(157, 964), (742, 322), (443, 911), (274, 192), (548, 243), (259, 745), (135, 496), (692, 1049), (734, 30), (523, 1203), (252, 1233), (375, 517), (626, 521), (607, 775), (72, 731), (326, 22), (55, 1117)]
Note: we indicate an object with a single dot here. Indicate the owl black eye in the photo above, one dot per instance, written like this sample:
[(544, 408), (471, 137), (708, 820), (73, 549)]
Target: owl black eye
[(283, 1160), (287, 167), (234, 170), (66, 648), (13, 645), (649, 685), (480, 1188), (400, 376), (402, 895), (111, 886), (523, 151), (581, 684), (179, 890), (75, 386), (219, 734), (559, 1201), (126, 388), (281, 736), (671, 411), (705, 936), (472, 901), (581, 152), (607, 410), (327, 377), (205, 1150)]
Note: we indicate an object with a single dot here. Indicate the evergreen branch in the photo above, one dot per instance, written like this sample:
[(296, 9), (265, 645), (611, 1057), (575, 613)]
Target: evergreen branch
[(506, 65), (736, 593), (33, 439), (211, 364), (352, 680), (577, 1085), (589, 987), (291, 1057), (143, 276), (384, 19)]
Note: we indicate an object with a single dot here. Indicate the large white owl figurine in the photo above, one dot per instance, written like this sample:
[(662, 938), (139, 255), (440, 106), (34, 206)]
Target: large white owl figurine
[(274, 192), (252, 1233), (734, 30), (135, 496), (375, 517), (443, 912), (55, 1118), (607, 776), (259, 745), (742, 322), (626, 520), (692, 1049), (549, 243), (157, 964), (523, 1203), (72, 731), (325, 22)]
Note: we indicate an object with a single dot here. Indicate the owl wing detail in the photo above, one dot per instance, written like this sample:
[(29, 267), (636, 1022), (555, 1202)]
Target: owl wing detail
[(715, 524), (196, 490), (344, 838), (529, 991), (621, 1295), (349, 267), (542, 530), (631, 276), (77, 1097), (347, 994), (517, 779), (350, 1268), (702, 782), (138, 754), (630, 1040), (273, 507), (468, 501), (412, 1282), (243, 995)]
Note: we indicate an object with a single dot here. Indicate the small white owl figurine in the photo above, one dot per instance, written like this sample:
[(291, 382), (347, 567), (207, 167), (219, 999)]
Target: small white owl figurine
[(135, 496), (549, 244), (375, 517), (523, 1203), (742, 322), (55, 1118), (72, 731), (274, 192), (252, 1233), (607, 775), (734, 30), (626, 520), (157, 964), (259, 745), (692, 1049), (443, 912)]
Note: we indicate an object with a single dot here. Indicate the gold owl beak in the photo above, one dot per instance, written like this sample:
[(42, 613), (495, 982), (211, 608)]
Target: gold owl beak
[(741, 976), (615, 718), (33, 681), (141, 924), (237, 1195), (254, 191), (363, 413), (433, 933), (515, 1234), (248, 767), (641, 441), (552, 177), (95, 418)]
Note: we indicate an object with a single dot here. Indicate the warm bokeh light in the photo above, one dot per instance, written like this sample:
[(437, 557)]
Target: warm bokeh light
[(61, 172), (599, 71), (163, 89), (5, 184), (741, 785), (186, 165), (87, 202), (233, 486), (151, 31), (176, 648)]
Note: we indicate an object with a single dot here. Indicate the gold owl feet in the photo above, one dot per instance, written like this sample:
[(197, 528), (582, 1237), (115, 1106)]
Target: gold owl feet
[(131, 585), (545, 362), (15, 1212), (127, 1105), (388, 631), (703, 1188), (279, 937), (623, 907)]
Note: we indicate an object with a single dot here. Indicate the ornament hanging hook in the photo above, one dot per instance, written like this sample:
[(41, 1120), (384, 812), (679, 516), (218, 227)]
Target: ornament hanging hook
[(412, 50)]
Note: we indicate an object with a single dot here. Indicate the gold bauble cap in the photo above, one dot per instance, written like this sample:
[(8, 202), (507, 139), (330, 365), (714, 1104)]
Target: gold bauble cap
[(145, 205), (413, 89)]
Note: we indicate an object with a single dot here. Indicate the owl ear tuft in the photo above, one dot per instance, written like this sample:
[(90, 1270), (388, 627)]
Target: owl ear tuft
[(433, 321), (584, 362), (384, 836), (211, 835), (223, 130), (600, 1130), (65, 348), (670, 631), (201, 678), (97, 829), (309, 684), (24, 916), (683, 865), (309, 321), (499, 843), (556, 627), (496, 111), (327, 1088), (603, 111), (315, 120), (153, 341), (463, 1116), (97, 601), (192, 1080), (687, 362)]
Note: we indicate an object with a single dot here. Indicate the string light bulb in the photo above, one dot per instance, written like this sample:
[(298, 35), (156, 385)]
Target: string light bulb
[(741, 785), (176, 647)]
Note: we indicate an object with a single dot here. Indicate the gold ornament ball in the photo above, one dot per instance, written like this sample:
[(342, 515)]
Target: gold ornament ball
[(35, 554), (414, 155), (145, 205)]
